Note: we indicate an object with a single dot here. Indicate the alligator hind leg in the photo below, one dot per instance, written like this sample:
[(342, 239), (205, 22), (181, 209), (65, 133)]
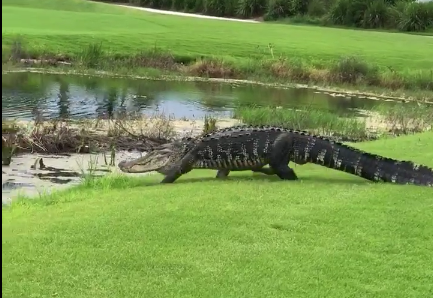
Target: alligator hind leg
[(280, 157)]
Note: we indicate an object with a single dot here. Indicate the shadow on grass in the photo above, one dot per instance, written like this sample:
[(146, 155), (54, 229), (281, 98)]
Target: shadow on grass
[(258, 177), (93, 186)]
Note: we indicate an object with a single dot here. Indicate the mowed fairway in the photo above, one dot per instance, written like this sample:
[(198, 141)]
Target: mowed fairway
[(67, 27), (328, 235)]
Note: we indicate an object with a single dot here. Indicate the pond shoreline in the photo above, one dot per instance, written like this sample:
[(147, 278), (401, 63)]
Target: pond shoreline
[(112, 135), (379, 95)]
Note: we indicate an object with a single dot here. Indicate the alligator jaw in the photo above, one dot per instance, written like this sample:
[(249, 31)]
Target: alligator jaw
[(160, 159), (151, 162)]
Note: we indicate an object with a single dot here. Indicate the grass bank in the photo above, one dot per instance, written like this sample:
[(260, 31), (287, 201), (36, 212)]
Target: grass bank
[(100, 36), (330, 234)]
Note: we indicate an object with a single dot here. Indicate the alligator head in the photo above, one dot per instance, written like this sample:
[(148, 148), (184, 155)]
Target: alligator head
[(159, 159)]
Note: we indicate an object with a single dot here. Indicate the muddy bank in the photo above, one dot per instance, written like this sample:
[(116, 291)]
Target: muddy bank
[(25, 177), (98, 135)]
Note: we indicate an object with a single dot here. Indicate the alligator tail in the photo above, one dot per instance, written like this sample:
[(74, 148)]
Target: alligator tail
[(369, 166)]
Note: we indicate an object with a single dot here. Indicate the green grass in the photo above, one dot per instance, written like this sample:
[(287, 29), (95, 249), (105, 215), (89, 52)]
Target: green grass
[(69, 27), (328, 235)]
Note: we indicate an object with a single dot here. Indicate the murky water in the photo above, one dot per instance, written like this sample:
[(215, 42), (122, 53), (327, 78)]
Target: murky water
[(75, 96)]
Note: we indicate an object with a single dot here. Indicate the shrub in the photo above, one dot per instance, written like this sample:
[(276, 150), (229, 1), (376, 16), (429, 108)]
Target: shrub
[(376, 14), (214, 7), (92, 55), (299, 6), (348, 12), (352, 70), (158, 4), (416, 16), (249, 8), (278, 9), (316, 8)]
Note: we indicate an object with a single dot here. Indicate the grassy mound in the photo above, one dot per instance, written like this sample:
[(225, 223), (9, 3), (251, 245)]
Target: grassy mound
[(328, 234), (101, 36)]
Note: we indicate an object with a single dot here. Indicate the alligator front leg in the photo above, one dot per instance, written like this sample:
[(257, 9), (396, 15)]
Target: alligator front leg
[(180, 167), (222, 173), (279, 159)]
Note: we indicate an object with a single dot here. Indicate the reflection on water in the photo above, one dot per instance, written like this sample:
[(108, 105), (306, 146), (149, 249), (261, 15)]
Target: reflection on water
[(75, 96)]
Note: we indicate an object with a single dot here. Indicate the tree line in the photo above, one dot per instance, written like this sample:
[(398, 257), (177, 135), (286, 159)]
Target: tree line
[(402, 15)]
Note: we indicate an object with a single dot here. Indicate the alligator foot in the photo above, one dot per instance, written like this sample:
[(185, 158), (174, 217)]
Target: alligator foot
[(222, 173), (287, 174), (180, 168), (170, 178)]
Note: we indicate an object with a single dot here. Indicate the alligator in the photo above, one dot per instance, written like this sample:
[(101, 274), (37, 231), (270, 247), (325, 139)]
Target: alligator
[(241, 148)]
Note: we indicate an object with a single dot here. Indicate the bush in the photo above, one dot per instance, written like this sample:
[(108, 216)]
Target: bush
[(278, 9), (316, 8), (404, 15), (250, 8), (376, 15), (352, 70), (348, 12), (416, 17)]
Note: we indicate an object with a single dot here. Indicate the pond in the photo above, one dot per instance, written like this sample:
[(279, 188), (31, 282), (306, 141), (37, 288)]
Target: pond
[(75, 96)]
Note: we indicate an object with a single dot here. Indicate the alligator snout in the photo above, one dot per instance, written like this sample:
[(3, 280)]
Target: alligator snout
[(122, 165)]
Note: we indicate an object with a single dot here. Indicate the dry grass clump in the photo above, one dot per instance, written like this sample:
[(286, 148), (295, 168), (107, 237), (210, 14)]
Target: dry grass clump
[(213, 68), (67, 136)]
